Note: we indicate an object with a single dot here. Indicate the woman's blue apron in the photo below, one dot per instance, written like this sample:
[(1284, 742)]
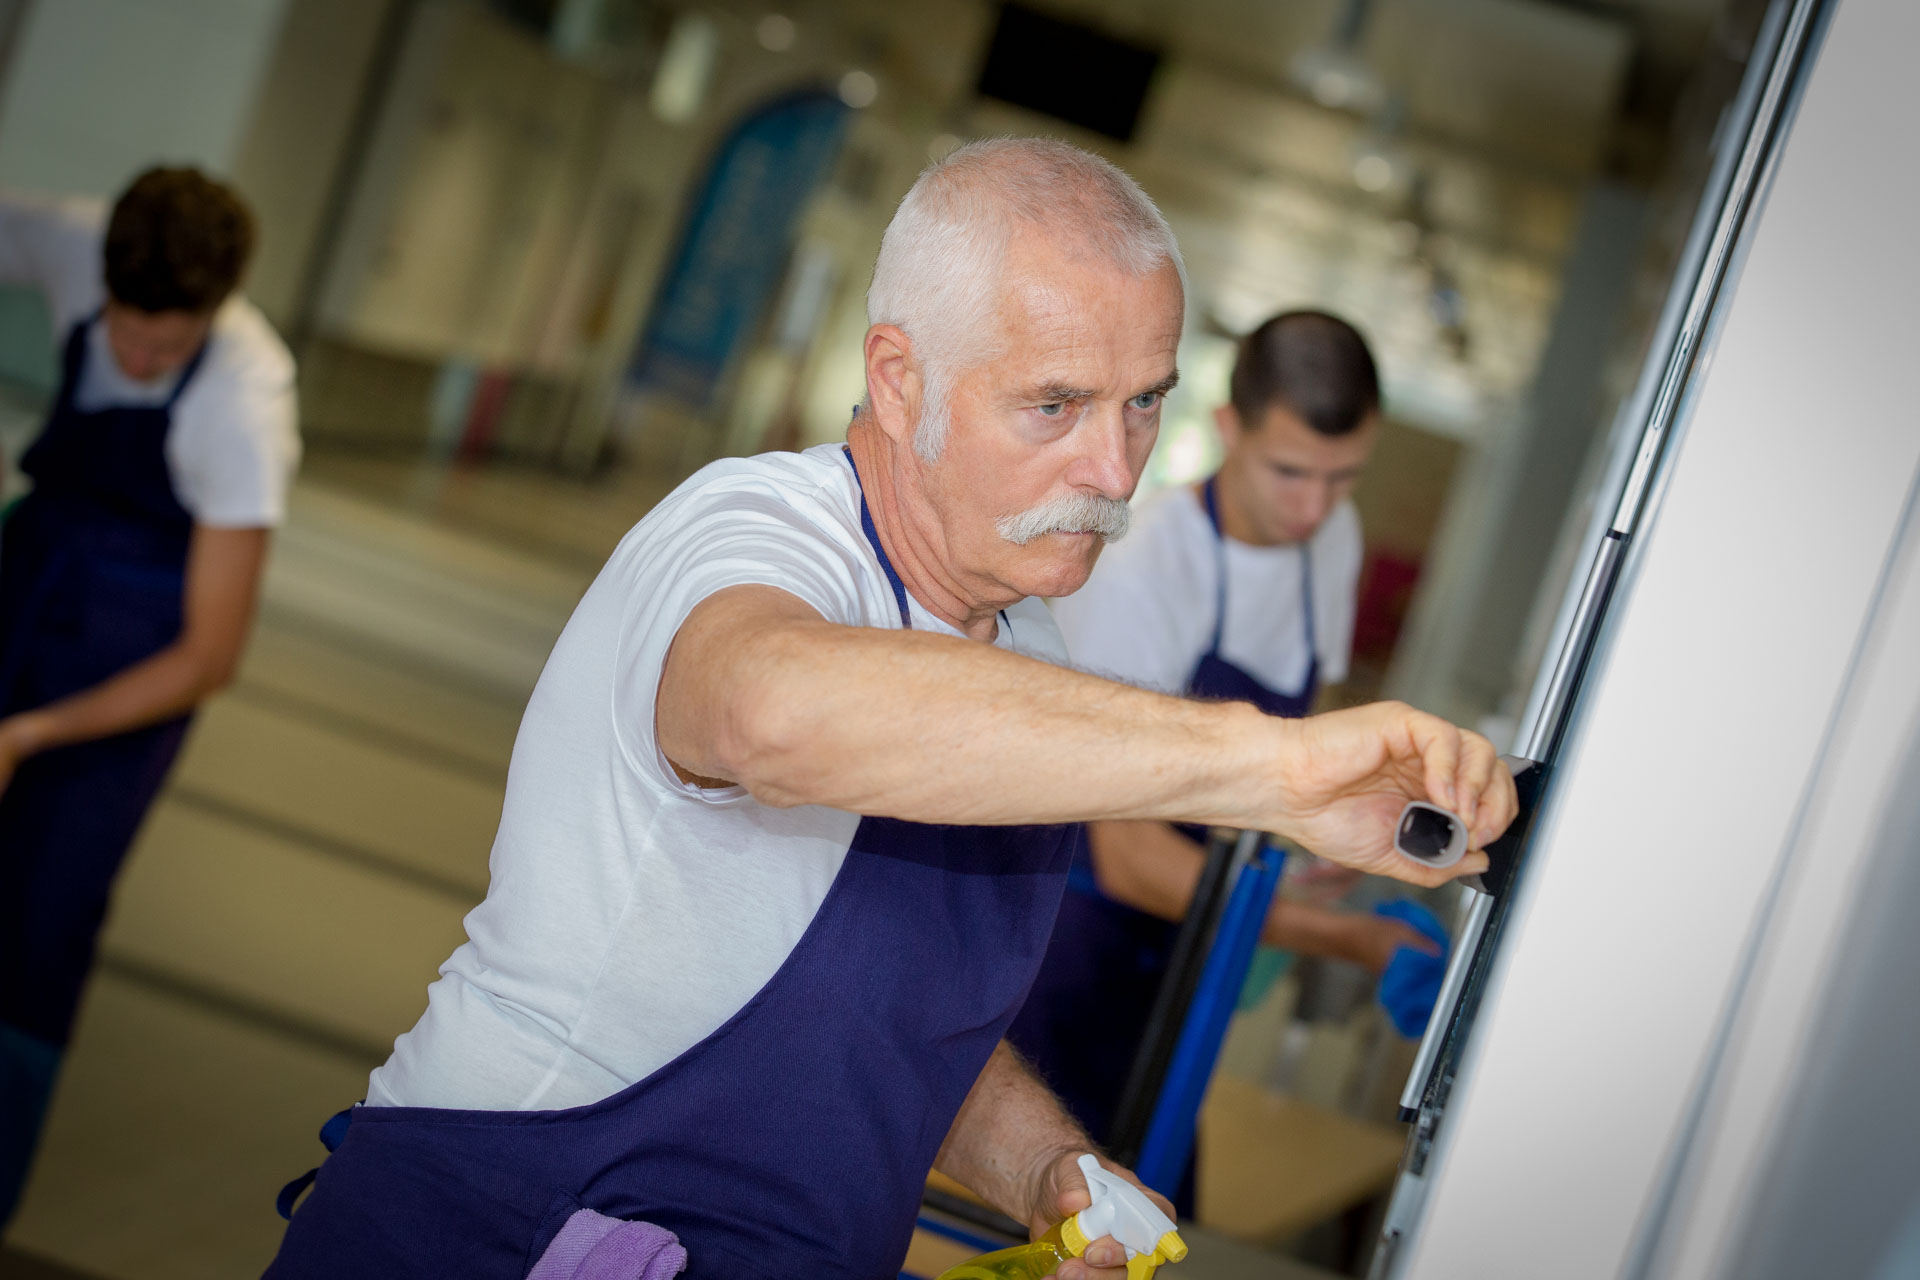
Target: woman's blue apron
[(793, 1141), (92, 579), (1088, 1010)]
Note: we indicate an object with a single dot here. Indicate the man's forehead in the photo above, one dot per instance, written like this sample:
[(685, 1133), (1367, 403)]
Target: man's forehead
[(1059, 334), (1283, 436)]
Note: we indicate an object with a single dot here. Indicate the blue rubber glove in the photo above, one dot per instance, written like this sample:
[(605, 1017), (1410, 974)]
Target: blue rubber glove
[(1411, 984)]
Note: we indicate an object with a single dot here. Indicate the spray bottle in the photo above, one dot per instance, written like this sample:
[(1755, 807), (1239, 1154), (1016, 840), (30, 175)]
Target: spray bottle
[(1119, 1209)]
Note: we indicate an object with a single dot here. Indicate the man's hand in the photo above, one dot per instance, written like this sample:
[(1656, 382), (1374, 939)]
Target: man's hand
[(222, 584), (1059, 1192), (1370, 941), (1349, 774), (1357, 937)]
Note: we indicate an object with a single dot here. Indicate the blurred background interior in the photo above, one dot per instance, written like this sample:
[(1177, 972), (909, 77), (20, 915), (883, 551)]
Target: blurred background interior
[(539, 260)]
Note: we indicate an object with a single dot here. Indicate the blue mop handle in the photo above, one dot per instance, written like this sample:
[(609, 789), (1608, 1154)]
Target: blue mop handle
[(1169, 1140)]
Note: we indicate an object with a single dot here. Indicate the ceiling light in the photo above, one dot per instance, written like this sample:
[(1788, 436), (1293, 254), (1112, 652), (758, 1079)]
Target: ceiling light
[(1373, 172), (776, 33), (858, 89), (686, 66)]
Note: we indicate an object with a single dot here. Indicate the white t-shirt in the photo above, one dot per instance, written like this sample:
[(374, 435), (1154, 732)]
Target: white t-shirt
[(1147, 614), (629, 913), (235, 441)]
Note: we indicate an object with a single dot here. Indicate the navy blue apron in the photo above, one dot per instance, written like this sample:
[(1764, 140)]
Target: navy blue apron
[(92, 579), (793, 1141), (1088, 1010)]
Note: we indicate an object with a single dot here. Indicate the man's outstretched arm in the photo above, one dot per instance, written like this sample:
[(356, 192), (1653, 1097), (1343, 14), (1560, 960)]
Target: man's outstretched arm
[(758, 689)]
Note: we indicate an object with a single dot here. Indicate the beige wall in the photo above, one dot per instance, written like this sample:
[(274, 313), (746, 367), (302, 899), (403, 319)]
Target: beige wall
[(297, 141)]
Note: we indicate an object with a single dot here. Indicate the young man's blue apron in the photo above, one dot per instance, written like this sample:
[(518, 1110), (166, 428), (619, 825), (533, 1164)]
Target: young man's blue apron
[(92, 577), (793, 1141), (1083, 1022)]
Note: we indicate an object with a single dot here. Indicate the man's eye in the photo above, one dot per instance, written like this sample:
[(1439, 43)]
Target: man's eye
[(1053, 410), (1146, 400)]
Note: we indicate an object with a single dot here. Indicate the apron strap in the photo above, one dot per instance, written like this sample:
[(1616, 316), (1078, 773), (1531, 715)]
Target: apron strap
[(1306, 604), (331, 1134), (186, 374), (873, 540), (1212, 502)]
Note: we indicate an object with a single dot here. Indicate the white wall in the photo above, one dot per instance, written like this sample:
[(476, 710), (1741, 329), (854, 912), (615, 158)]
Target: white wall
[(96, 90), (1704, 715), (99, 89)]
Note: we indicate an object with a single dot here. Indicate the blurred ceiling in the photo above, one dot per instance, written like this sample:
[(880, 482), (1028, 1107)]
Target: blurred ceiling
[(1542, 81)]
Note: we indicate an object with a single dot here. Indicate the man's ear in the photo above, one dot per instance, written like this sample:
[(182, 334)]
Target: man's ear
[(895, 388), (1227, 418)]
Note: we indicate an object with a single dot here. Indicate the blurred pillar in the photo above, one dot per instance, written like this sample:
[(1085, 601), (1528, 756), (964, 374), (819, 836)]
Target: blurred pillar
[(1503, 524)]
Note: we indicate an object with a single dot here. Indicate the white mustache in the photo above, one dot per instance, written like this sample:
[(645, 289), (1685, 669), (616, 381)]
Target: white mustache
[(1068, 513)]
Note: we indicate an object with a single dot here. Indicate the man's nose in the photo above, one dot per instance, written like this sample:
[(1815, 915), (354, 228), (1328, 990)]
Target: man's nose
[(1103, 463), (1317, 503)]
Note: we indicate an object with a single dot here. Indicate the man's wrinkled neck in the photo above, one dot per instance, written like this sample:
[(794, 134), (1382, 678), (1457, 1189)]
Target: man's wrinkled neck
[(911, 536)]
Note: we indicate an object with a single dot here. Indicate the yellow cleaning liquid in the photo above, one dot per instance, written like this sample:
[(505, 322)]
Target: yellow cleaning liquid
[(1022, 1262), (1044, 1256)]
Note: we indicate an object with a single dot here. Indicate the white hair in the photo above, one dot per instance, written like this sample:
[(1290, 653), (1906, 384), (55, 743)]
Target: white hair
[(938, 274)]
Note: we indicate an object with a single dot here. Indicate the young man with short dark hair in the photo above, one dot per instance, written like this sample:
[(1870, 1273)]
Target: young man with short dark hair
[(128, 573)]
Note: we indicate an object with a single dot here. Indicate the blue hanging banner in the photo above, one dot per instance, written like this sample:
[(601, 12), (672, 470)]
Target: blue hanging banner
[(733, 245)]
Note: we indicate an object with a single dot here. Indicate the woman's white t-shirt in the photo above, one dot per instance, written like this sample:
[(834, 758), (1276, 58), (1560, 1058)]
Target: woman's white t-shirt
[(235, 442), (629, 913)]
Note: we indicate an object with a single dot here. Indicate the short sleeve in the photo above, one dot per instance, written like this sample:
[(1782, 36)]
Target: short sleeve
[(701, 543), (1127, 624), (235, 442)]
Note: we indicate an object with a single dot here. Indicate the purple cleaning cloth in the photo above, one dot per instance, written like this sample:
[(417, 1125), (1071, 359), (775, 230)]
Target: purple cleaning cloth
[(592, 1246)]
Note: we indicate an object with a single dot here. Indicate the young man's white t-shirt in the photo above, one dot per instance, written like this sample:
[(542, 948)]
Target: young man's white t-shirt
[(630, 914), (1147, 614), (235, 442)]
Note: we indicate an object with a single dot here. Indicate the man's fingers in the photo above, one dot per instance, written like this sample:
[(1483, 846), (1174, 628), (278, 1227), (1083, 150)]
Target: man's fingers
[(1478, 762), (1499, 805), (1104, 1260), (1433, 877), (1439, 745), (1408, 936)]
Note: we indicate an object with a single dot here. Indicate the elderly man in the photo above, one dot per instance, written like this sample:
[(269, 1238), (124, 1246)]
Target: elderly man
[(782, 841)]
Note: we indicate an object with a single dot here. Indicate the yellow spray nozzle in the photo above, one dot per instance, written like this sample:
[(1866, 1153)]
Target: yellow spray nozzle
[(1171, 1248)]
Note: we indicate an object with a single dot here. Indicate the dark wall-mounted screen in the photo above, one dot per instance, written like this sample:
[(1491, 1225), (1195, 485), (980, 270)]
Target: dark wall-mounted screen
[(1068, 71)]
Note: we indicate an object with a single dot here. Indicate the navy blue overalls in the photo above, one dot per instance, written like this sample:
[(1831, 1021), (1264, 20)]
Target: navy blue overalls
[(1088, 1011), (793, 1141), (92, 577)]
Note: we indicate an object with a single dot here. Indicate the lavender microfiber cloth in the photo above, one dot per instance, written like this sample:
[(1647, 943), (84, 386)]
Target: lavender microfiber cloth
[(592, 1246)]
